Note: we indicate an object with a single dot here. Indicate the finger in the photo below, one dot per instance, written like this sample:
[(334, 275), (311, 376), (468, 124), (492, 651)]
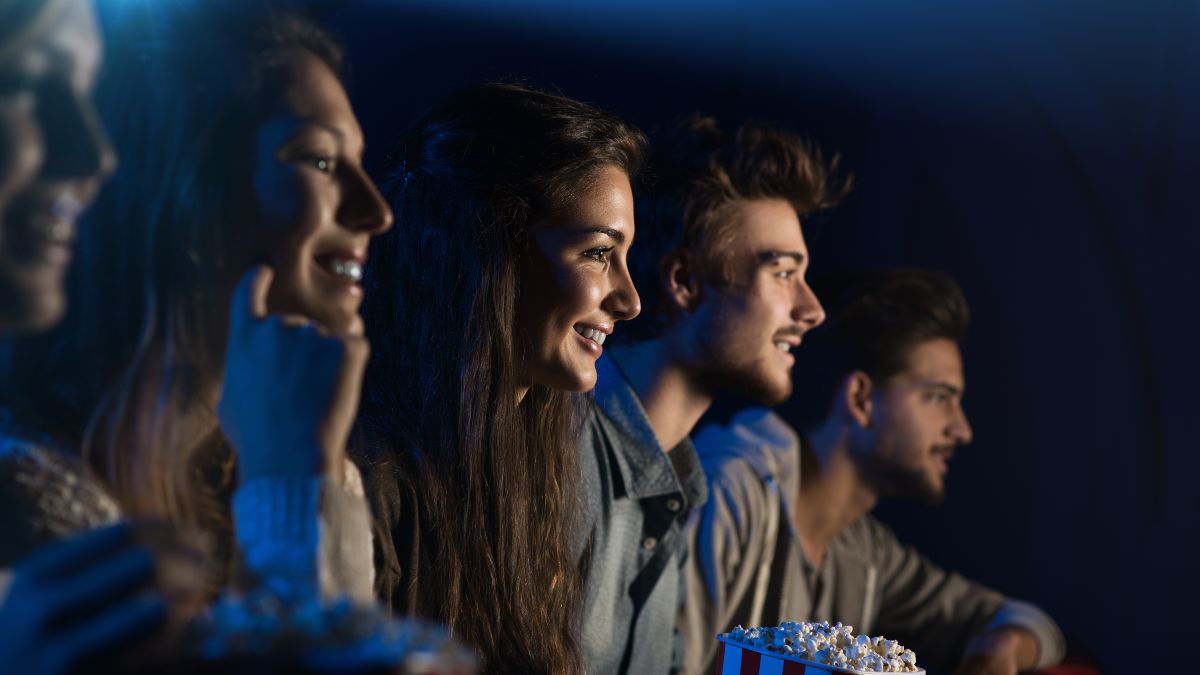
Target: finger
[(68, 555), (352, 361), (105, 584), (294, 320), (250, 294), (356, 351), (120, 626)]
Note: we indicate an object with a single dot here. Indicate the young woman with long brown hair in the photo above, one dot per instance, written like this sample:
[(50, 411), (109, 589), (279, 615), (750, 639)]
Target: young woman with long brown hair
[(487, 308)]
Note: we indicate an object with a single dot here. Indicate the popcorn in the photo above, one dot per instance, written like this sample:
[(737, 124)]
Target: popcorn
[(835, 646)]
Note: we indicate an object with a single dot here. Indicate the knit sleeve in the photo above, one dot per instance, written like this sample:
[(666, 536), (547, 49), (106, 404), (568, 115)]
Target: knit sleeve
[(307, 536)]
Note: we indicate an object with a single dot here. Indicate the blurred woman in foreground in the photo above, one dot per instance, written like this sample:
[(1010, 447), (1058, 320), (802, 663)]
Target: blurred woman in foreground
[(63, 601), (224, 256)]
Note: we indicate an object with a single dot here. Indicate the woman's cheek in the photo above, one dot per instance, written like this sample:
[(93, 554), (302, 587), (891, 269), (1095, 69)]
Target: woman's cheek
[(21, 153), (280, 196), (584, 288)]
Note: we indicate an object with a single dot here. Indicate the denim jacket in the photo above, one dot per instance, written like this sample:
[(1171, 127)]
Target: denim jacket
[(633, 543)]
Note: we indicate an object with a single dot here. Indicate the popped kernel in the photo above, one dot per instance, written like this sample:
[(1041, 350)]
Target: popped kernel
[(835, 646)]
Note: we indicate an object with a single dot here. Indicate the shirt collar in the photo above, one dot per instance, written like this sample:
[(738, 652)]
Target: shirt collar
[(647, 470)]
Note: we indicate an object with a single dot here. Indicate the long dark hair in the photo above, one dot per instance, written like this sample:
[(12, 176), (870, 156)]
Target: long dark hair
[(142, 347), (495, 479)]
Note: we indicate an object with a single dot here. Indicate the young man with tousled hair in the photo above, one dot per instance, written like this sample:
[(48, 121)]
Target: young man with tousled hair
[(719, 265), (787, 533)]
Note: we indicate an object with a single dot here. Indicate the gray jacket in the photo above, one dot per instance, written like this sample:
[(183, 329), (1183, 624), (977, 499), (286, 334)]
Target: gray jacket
[(747, 566), (636, 499)]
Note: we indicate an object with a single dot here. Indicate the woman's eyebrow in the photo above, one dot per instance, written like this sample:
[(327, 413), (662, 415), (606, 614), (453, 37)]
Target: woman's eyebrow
[(333, 129), (293, 126), (617, 235)]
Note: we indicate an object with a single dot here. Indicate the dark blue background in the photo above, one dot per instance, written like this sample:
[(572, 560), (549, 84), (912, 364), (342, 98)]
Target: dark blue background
[(1044, 153)]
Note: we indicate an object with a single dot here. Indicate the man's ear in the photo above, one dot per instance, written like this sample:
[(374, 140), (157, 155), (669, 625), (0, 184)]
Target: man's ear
[(681, 280), (854, 398)]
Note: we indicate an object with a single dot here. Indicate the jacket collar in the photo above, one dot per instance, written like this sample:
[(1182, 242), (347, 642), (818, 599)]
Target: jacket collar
[(647, 470)]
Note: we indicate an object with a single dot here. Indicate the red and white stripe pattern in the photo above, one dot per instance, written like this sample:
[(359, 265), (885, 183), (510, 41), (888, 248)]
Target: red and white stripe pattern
[(733, 660)]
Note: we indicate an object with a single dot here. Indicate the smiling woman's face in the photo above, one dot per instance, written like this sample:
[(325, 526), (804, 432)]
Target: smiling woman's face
[(317, 209), (53, 157), (575, 284)]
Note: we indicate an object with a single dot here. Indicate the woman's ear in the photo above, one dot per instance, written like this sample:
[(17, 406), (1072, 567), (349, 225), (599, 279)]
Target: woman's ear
[(681, 280), (854, 398)]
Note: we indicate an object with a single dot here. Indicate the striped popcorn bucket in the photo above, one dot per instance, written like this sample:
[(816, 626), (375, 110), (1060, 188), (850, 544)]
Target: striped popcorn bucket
[(741, 659)]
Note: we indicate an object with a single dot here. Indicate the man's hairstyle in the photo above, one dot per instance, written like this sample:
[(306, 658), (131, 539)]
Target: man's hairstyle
[(875, 318), (696, 175)]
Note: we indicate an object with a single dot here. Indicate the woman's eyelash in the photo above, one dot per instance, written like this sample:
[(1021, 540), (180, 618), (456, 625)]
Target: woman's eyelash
[(600, 254), (322, 163)]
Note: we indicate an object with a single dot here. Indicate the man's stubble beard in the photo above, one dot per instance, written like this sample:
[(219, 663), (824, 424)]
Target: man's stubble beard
[(721, 372), (890, 478)]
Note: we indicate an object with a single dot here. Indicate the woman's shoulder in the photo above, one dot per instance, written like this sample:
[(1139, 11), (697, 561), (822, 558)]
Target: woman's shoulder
[(46, 492)]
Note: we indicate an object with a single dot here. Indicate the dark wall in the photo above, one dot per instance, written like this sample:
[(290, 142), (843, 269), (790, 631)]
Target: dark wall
[(1044, 153)]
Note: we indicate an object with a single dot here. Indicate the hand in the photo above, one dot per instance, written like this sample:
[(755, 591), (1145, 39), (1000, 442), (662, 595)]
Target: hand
[(76, 599), (290, 390), (1000, 651)]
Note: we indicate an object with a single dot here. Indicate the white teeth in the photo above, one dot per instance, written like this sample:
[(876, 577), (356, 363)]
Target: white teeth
[(66, 207), (346, 269), (783, 346), (592, 334), (55, 230)]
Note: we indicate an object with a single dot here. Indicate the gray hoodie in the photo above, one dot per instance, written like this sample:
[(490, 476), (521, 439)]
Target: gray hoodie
[(746, 565)]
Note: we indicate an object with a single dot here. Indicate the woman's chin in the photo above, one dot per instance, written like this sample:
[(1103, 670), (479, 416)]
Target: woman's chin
[(341, 322), (31, 307), (580, 381), (563, 378)]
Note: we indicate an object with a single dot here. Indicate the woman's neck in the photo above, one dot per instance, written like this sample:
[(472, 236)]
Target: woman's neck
[(670, 396)]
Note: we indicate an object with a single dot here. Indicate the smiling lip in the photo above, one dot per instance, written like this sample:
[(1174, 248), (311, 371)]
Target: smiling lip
[(46, 216), (52, 241), (592, 337), (943, 455), (784, 344), (942, 466), (344, 267)]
